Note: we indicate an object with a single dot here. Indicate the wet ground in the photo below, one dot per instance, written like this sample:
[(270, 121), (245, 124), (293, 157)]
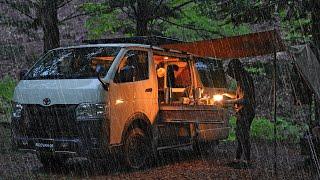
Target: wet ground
[(213, 163)]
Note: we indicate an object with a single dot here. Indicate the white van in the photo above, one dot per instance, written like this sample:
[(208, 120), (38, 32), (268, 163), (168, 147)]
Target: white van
[(88, 100)]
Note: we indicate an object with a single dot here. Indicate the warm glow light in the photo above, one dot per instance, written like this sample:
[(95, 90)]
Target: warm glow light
[(161, 72), (119, 101), (217, 97), (166, 58)]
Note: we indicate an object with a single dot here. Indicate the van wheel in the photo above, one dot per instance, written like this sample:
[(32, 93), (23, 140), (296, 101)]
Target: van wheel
[(138, 149)]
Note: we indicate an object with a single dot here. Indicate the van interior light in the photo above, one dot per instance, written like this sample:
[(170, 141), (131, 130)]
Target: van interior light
[(217, 97), (161, 72)]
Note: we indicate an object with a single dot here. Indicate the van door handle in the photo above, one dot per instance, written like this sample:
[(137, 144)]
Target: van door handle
[(148, 90)]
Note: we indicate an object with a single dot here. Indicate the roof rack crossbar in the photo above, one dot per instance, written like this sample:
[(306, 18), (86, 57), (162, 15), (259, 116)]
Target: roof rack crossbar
[(147, 40)]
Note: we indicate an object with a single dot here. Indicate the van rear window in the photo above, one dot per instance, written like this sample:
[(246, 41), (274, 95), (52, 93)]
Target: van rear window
[(211, 73), (73, 63)]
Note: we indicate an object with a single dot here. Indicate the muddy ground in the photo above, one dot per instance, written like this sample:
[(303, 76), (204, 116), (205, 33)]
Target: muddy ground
[(213, 163)]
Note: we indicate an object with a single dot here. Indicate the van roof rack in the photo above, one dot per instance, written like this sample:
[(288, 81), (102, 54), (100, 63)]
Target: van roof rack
[(148, 40)]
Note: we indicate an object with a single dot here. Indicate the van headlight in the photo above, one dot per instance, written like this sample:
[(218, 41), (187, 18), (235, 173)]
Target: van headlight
[(88, 111), (17, 110)]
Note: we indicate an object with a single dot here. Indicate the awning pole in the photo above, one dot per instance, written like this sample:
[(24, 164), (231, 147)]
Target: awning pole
[(275, 110)]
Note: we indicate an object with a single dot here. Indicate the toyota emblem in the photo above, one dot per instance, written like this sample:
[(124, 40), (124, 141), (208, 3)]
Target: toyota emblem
[(46, 101)]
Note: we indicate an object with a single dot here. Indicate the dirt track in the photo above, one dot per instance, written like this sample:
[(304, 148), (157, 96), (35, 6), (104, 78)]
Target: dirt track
[(173, 164)]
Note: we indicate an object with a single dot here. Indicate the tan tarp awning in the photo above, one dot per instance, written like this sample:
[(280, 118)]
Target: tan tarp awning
[(249, 45), (308, 65), (256, 44)]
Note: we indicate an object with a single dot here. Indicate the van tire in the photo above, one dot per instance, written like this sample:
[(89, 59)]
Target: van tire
[(138, 149)]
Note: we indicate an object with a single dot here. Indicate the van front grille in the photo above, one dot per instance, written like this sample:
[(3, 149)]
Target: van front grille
[(55, 121)]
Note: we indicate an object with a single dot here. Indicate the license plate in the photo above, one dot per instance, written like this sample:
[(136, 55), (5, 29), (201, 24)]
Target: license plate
[(44, 145)]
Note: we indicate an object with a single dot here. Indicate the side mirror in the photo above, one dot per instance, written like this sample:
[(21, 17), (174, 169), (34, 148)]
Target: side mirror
[(22, 73), (99, 71)]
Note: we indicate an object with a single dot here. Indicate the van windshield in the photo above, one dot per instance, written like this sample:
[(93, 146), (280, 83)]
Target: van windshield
[(211, 73), (73, 63)]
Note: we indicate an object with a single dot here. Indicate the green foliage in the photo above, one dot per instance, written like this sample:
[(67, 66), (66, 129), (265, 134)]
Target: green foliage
[(288, 131), (295, 17), (7, 86), (233, 85), (104, 21), (103, 24), (189, 23), (256, 70), (194, 25), (232, 133), (130, 17), (295, 29), (263, 129), (298, 19)]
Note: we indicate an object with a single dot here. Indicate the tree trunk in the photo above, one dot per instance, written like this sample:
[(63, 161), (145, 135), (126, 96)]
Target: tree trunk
[(142, 28), (315, 30), (315, 27), (49, 22), (142, 18)]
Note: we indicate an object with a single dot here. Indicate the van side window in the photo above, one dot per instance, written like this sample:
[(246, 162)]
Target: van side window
[(178, 75), (133, 67), (211, 73)]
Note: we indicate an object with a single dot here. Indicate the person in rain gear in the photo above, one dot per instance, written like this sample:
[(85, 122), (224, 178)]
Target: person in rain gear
[(244, 107)]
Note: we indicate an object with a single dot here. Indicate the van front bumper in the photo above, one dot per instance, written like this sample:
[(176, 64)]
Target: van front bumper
[(71, 147)]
